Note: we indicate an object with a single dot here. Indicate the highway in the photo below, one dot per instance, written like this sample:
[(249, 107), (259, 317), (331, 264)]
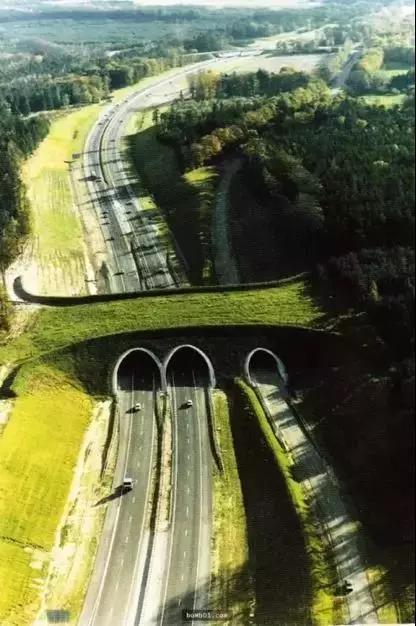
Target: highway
[(147, 574), (187, 575), (179, 569), (116, 580), (324, 494), (137, 256)]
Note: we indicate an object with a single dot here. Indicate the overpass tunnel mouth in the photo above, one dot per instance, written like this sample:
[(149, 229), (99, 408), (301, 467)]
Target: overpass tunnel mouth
[(263, 367), (138, 371), (189, 367)]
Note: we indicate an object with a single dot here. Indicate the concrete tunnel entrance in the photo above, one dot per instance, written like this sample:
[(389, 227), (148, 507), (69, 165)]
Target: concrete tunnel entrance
[(188, 365), (262, 363), (137, 369)]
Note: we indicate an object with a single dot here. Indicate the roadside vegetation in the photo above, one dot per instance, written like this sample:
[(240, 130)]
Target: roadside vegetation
[(58, 249), (54, 328), (231, 582), (38, 452), (281, 528)]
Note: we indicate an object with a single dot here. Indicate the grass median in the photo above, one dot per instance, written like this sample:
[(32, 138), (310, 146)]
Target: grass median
[(231, 584)]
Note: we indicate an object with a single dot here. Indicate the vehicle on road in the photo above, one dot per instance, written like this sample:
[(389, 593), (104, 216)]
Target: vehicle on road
[(137, 406), (128, 484), (189, 403)]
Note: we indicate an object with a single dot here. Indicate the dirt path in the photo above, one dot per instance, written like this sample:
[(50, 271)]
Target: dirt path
[(224, 262)]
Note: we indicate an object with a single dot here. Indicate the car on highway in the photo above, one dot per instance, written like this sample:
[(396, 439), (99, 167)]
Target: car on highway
[(189, 403), (137, 407), (128, 484)]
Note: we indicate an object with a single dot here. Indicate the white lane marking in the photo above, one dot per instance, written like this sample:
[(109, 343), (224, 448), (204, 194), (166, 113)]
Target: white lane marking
[(198, 420), (113, 535), (138, 464), (130, 519), (121, 562), (186, 532), (189, 491), (134, 499), (189, 457), (184, 554), (117, 585), (182, 577), (187, 511), (126, 539), (189, 472)]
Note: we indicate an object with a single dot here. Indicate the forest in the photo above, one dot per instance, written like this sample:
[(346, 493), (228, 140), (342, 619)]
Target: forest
[(334, 172), (18, 138)]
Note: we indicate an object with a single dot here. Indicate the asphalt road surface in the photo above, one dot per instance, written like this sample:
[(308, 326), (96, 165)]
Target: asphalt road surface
[(187, 578), (113, 592), (311, 470), (137, 256), (179, 571)]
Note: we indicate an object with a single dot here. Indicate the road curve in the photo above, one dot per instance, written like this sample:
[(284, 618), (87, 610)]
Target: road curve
[(136, 255)]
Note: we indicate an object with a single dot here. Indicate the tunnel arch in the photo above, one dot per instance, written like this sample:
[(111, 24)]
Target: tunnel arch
[(280, 365), (120, 360), (201, 353)]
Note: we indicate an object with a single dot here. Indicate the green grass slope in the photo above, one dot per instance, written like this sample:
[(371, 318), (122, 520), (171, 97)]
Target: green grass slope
[(53, 328)]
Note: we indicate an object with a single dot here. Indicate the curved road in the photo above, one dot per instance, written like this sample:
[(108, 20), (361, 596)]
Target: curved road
[(136, 255)]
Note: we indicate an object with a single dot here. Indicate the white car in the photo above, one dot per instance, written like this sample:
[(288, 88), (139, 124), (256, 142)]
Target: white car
[(189, 403), (137, 406)]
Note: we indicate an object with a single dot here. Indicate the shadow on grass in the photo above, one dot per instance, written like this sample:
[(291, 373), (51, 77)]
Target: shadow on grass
[(278, 552)]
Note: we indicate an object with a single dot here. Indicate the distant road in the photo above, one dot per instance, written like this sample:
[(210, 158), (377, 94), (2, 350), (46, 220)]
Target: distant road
[(341, 79)]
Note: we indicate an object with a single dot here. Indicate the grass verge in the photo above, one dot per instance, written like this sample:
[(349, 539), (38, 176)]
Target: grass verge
[(58, 245), (38, 453), (318, 605), (185, 200), (231, 586), (53, 328)]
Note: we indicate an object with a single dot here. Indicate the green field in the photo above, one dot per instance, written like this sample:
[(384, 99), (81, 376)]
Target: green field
[(58, 245), (231, 586), (38, 452), (387, 100)]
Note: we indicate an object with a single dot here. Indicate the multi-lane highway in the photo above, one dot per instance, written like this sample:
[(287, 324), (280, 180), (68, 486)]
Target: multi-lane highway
[(187, 575), (146, 572), (113, 591), (137, 256)]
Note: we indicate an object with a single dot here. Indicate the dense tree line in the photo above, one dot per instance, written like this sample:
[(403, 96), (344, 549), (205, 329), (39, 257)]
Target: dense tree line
[(366, 75), (337, 171), (200, 130), (31, 95), (18, 138)]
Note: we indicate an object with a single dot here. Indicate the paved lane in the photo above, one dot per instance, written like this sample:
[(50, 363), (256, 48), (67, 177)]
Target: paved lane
[(311, 470), (188, 569), (113, 599)]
